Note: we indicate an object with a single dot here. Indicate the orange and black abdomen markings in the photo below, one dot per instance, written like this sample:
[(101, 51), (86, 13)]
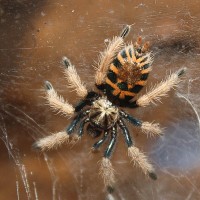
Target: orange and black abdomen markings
[(125, 77)]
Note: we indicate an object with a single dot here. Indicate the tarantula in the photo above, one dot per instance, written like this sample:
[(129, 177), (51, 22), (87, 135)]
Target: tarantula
[(121, 73)]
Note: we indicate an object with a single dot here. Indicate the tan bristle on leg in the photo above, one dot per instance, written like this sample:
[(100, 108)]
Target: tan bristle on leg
[(106, 58), (52, 141), (160, 90), (107, 172), (145, 47), (58, 103), (151, 129), (138, 42), (140, 160), (74, 80)]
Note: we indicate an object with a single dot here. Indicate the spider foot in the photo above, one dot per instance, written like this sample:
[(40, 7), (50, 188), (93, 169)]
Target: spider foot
[(181, 71), (110, 189), (153, 175), (66, 62), (48, 85)]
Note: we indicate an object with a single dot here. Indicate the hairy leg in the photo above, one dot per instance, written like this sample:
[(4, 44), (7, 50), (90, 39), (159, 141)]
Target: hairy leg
[(100, 142), (159, 90), (73, 78), (51, 142), (137, 157), (140, 160), (106, 57), (106, 169), (150, 129), (57, 102), (56, 140)]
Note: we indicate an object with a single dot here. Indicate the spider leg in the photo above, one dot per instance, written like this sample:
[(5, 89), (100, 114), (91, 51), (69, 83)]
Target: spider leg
[(159, 90), (137, 157), (57, 102), (78, 136), (108, 151), (106, 168), (70, 129), (125, 132), (55, 140), (125, 31), (151, 129), (101, 141), (51, 142), (81, 128), (73, 78), (91, 96), (108, 55)]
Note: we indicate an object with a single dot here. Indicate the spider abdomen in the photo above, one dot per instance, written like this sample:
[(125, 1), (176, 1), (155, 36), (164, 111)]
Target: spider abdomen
[(128, 73), (103, 114)]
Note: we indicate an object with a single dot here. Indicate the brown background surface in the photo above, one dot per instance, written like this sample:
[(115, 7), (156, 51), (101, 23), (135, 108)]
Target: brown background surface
[(34, 35)]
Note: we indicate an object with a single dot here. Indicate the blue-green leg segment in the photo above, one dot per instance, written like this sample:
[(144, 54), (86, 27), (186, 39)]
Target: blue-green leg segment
[(81, 128), (101, 141), (129, 143), (131, 119), (125, 132), (76, 120), (109, 150)]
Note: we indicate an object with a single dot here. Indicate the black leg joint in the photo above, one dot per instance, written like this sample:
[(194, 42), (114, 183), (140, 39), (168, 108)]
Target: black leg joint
[(132, 105), (91, 96), (101, 87), (81, 105)]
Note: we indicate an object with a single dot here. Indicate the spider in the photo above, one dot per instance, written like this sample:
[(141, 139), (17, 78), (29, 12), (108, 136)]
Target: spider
[(121, 73)]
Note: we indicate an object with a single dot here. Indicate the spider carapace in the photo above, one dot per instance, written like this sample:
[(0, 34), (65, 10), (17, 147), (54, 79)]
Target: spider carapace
[(121, 73)]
